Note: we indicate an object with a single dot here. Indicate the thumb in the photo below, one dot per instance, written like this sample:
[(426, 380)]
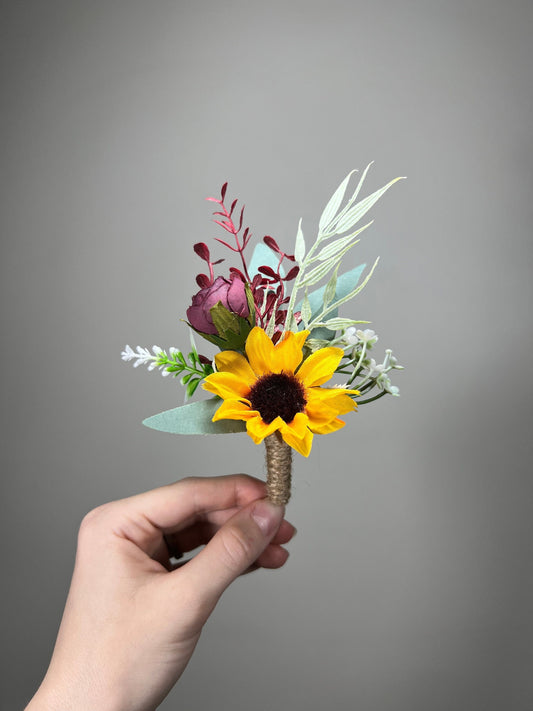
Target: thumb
[(232, 550)]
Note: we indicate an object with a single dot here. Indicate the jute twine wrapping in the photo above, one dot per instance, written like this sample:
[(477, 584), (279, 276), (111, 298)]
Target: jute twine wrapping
[(279, 466)]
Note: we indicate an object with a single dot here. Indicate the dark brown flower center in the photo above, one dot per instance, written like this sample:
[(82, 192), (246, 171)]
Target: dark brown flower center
[(277, 395)]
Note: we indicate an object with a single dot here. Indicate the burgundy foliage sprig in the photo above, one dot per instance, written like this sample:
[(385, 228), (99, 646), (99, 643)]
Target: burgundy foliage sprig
[(268, 286), (228, 224)]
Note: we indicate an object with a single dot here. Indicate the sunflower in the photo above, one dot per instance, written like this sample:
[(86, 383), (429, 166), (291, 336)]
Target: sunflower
[(271, 389)]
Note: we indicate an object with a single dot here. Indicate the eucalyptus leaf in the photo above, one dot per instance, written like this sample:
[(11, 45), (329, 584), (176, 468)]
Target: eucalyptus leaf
[(263, 256), (195, 418), (356, 290), (320, 335)]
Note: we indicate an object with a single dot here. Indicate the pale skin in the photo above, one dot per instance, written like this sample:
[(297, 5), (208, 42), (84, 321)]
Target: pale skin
[(132, 619)]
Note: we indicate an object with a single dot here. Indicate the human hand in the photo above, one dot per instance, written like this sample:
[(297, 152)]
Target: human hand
[(130, 622)]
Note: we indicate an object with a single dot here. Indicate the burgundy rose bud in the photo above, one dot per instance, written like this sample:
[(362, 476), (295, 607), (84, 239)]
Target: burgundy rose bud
[(232, 295)]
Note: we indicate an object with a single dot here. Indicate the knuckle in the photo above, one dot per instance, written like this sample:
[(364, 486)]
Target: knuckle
[(92, 521), (190, 480), (238, 549)]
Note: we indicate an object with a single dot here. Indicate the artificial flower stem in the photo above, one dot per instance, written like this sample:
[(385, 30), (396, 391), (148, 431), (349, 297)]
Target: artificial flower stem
[(371, 399), (279, 467)]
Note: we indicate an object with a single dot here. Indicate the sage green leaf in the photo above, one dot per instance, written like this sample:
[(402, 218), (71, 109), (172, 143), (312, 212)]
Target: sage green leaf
[(354, 196), (337, 245), (195, 418), (271, 325), (299, 247), (356, 290), (321, 335), (330, 289), (336, 324), (306, 310), (291, 324), (319, 272), (333, 205), (345, 284), (356, 213)]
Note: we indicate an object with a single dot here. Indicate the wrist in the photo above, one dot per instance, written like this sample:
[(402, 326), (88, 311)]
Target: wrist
[(53, 696)]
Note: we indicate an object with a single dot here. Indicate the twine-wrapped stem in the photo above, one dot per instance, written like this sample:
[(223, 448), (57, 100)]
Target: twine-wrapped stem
[(279, 466)]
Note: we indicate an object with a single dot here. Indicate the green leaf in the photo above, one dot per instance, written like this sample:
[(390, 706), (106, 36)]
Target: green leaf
[(337, 245), (306, 310), (299, 247), (251, 305), (224, 319), (331, 287), (356, 213), (345, 284), (232, 341), (335, 324), (319, 272), (192, 386), (195, 418), (333, 205), (355, 194), (271, 325), (357, 289)]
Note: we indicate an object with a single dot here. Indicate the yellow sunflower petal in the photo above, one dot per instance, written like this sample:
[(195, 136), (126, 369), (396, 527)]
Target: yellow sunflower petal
[(330, 398), (233, 362), (333, 392), (300, 444), (226, 385), (319, 414), (259, 350), (287, 354), (234, 410), (320, 366), (299, 424), (258, 430), (332, 426), (300, 337)]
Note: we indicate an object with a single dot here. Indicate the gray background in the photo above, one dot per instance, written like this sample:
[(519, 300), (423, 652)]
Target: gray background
[(410, 582)]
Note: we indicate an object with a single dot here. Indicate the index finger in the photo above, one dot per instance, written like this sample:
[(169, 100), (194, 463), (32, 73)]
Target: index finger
[(144, 518)]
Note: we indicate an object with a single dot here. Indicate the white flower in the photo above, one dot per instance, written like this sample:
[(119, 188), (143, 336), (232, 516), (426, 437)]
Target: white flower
[(349, 337), (367, 336), (128, 353), (375, 370), (142, 356)]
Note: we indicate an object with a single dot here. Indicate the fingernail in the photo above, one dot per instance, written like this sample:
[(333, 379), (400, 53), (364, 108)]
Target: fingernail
[(267, 516)]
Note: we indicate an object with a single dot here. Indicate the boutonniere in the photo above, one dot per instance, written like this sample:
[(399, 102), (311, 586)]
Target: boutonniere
[(288, 366)]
